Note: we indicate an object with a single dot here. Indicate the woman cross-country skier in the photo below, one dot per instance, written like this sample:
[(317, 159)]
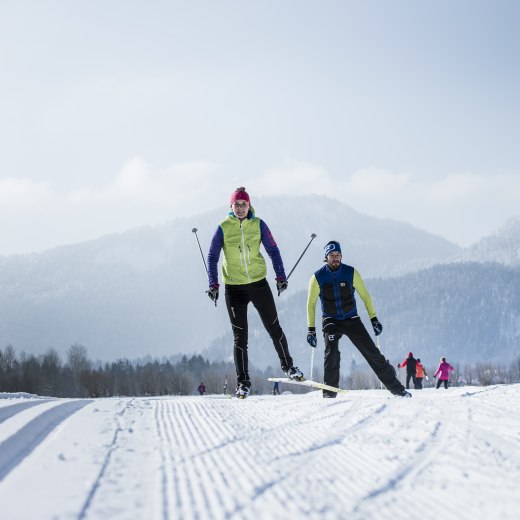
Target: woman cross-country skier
[(244, 273)]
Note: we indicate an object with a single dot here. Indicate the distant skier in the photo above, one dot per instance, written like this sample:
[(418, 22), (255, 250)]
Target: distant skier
[(276, 388), (443, 371), (244, 273), (411, 368), (201, 388), (419, 374), (335, 284)]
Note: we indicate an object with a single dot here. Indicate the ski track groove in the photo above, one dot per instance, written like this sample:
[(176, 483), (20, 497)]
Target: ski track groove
[(9, 411), (435, 451), (286, 464), (419, 458), (188, 431), (222, 459), (18, 446), (98, 481), (161, 435), (352, 423), (187, 463), (422, 456)]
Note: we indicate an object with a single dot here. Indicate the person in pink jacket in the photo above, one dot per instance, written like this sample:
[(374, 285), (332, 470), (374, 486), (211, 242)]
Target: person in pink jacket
[(443, 372)]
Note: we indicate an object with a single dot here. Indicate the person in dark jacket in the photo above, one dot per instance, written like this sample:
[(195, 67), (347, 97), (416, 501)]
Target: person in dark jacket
[(411, 369), (244, 273), (201, 388), (335, 284)]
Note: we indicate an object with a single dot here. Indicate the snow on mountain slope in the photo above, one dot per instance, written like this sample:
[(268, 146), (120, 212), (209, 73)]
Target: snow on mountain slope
[(360, 456), (502, 247), (129, 294)]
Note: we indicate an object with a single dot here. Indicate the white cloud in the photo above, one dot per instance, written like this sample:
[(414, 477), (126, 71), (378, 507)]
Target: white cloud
[(40, 216), (139, 185), (462, 207), (24, 196), (295, 178)]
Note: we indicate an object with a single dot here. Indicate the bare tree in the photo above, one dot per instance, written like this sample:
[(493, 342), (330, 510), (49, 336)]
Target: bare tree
[(8, 369), (51, 372), (78, 362), (31, 373)]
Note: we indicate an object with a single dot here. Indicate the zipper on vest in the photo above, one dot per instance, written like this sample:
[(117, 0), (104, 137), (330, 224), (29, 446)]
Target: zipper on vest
[(244, 244), (337, 294)]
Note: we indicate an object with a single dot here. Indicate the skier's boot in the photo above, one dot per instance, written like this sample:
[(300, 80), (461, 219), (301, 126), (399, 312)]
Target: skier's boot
[(404, 393), (294, 373), (242, 391)]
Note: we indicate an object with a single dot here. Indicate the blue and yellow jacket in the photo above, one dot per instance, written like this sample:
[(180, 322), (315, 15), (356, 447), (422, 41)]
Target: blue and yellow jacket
[(336, 291)]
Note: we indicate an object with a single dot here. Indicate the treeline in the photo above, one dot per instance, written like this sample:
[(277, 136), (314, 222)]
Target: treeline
[(78, 376)]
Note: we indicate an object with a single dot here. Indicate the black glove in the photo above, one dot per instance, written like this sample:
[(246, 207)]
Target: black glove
[(281, 285), (213, 294), (311, 337), (378, 328)]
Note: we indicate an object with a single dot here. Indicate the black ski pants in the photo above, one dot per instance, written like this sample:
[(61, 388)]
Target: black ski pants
[(354, 329), (260, 295), (410, 375), (441, 381)]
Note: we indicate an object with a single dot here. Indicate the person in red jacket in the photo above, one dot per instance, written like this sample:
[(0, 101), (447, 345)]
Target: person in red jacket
[(410, 363), (420, 372), (443, 372)]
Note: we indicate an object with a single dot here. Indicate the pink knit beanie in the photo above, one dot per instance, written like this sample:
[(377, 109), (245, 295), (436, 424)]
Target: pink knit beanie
[(239, 194)]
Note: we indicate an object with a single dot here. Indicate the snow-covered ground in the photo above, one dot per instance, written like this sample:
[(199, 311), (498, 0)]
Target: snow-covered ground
[(365, 455)]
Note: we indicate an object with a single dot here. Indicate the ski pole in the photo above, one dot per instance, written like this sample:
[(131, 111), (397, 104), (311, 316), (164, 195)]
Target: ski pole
[(312, 360), (194, 230), (313, 236), (379, 348)]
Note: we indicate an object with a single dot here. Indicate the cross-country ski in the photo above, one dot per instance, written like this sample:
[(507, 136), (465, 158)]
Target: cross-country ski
[(307, 382)]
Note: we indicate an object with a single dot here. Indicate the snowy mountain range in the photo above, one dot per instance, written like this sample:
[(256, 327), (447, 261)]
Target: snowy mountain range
[(466, 312), (502, 247), (143, 291)]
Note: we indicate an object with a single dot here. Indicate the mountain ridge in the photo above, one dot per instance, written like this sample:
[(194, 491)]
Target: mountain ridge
[(142, 292)]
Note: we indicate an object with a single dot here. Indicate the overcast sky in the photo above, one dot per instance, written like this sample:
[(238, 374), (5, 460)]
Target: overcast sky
[(119, 113)]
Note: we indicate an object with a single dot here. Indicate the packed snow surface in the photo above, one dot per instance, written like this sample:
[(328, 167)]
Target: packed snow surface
[(366, 455)]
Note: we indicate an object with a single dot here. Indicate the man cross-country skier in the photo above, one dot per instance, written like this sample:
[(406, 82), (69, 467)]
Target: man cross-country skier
[(244, 273), (335, 284)]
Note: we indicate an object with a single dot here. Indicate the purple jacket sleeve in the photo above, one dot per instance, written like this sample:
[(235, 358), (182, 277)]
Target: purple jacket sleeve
[(213, 257), (269, 243)]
